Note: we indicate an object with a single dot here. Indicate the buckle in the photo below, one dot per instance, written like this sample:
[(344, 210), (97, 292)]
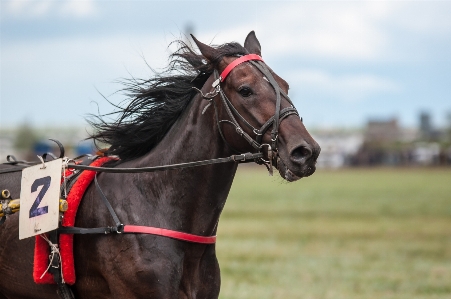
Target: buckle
[(257, 132), (216, 82), (268, 163), (239, 158)]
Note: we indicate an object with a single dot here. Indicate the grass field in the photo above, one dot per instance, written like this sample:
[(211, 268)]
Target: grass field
[(380, 233)]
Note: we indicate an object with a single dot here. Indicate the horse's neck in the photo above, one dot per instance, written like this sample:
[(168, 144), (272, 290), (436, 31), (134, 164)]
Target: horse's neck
[(191, 199)]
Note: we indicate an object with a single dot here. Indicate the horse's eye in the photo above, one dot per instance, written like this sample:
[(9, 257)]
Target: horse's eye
[(245, 92)]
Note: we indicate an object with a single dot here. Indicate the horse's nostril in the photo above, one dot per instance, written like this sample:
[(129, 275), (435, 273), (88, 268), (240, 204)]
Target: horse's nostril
[(301, 153)]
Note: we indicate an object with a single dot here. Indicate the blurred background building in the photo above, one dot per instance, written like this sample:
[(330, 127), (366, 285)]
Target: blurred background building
[(386, 143)]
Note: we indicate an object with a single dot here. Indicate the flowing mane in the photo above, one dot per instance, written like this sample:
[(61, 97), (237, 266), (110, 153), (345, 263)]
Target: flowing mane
[(153, 105)]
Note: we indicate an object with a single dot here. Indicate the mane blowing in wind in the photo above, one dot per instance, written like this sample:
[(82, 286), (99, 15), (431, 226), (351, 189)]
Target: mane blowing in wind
[(153, 105)]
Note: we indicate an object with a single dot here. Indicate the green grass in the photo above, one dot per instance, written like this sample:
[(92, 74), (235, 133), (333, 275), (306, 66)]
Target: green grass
[(381, 233)]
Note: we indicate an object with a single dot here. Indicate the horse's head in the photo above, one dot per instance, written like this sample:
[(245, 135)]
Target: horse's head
[(255, 104)]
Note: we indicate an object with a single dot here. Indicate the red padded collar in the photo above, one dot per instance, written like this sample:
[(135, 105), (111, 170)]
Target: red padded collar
[(238, 61)]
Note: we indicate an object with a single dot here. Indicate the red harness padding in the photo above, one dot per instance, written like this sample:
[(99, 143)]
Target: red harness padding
[(66, 241), (42, 251), (238, 61)]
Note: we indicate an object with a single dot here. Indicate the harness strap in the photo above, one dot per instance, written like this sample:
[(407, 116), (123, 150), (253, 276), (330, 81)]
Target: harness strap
[(218, 124), (232, 108), (86, 231), (119, 225), (236, 62), (275, 86), (16, 168), (137, 229), (264, 71), (134, 229), (233, 121), (283, 113), (11, 160)]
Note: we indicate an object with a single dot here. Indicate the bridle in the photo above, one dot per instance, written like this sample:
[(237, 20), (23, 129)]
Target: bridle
[(274, 121)]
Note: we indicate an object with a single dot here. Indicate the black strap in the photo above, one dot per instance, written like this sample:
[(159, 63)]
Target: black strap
[(86, 231), (239, 130), (16, 168), (218, 121), (247, 157), (118, 223), (64, 291), (232, 108), (284, 113), (275, 86), (242, 158), (97, 230), (55, 267)]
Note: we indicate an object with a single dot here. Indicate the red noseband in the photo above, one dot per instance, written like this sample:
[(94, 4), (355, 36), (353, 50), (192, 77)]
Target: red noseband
[(238, 61)]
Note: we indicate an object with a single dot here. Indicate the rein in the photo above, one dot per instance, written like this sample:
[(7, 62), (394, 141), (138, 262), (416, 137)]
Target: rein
[(243, 158)]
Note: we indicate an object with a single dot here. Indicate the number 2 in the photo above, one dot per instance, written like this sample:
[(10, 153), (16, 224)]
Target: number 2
[(45, 183)]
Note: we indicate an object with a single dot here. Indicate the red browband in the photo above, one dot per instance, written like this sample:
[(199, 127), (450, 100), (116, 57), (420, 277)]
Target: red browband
[(136, 229), (238, 61)]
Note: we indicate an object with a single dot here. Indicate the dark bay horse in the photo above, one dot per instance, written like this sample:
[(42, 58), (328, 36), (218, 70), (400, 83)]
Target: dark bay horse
[(167, 121)]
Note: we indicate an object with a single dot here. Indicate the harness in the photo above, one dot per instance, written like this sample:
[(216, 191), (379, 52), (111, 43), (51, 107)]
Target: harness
[(275, 120), (233, 114)]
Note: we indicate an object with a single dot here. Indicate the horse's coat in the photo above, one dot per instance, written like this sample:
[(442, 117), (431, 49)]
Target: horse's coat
[(164, 124)]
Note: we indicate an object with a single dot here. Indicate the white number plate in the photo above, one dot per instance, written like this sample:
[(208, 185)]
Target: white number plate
[(39, 199)]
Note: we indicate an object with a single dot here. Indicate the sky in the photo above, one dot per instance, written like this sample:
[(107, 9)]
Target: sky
[(347, 62)]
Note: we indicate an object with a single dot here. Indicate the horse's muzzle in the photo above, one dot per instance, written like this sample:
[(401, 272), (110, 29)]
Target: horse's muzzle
[(301, 162)]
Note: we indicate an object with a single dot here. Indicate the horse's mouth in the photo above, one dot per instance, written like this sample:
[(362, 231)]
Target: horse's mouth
[(294, 175)]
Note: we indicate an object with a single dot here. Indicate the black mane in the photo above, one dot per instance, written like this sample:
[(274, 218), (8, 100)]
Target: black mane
[(152, 106)]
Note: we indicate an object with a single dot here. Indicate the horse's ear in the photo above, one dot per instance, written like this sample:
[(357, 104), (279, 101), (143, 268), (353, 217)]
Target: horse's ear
[(252, 44), (208, 52)]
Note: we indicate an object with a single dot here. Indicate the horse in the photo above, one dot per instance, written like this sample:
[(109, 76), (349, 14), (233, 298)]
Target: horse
[(186, 113)]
